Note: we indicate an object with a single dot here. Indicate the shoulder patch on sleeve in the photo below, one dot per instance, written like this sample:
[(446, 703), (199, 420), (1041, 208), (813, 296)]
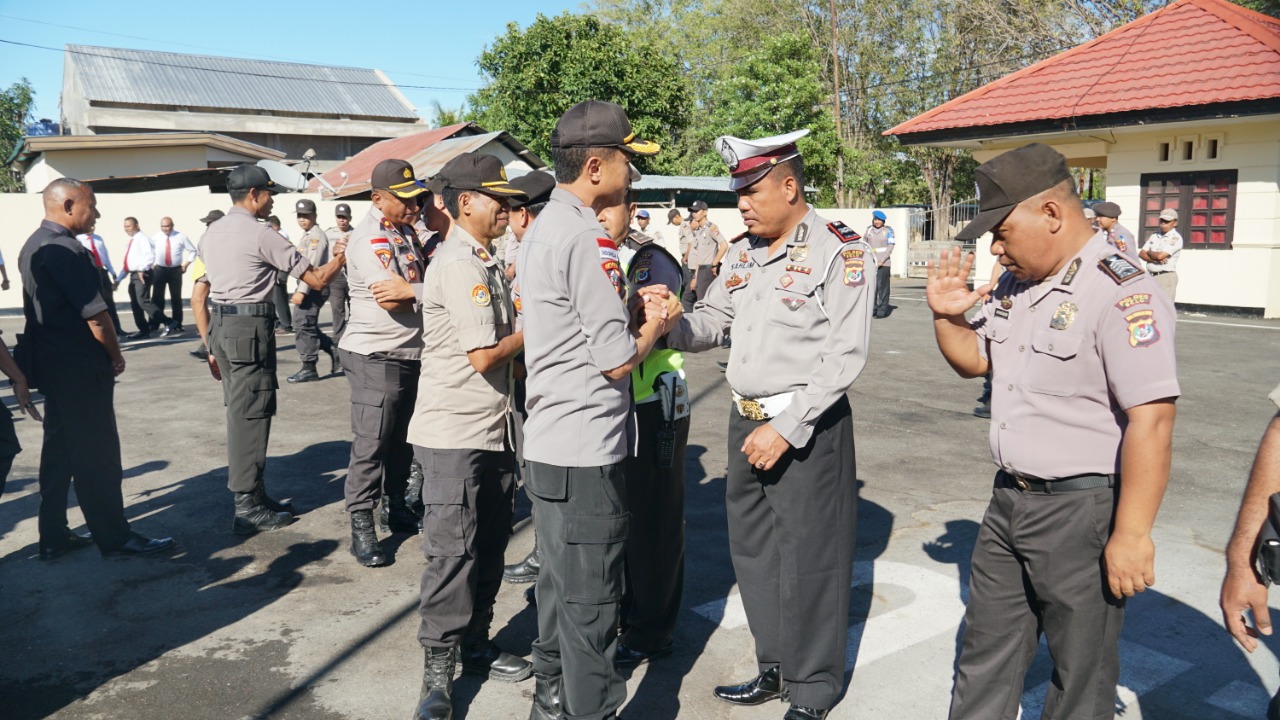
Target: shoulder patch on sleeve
[(844, 232), (480, 295), (1119, 269), (382, 250)]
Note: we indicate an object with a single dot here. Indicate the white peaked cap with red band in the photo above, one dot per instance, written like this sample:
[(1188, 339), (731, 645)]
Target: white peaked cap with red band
[(750, 160)]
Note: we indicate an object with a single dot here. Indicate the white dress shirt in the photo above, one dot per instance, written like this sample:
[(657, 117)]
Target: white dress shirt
[(139, 255), (95, 241), (178, 243)]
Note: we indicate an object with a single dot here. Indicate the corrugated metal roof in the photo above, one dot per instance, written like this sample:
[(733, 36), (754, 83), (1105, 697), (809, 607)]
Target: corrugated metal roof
[(162, 78)]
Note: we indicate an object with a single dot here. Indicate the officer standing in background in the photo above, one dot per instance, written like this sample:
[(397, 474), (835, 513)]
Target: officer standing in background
[(798, 297), (1161, 253), (139, 259), (655, 472), (200, 293), (311, 341), (1081, 430), (71, 352), (1107, 220), (279, 293), (709, 247), (461, 437), (684, 235), (380, 351), (880, 237), (537, 187), (580, 353), (242, 257), (97, 248), (339, 297), (174, 253)]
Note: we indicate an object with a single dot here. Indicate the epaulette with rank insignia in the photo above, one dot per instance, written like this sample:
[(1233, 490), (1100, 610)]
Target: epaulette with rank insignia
[(844, 232), (737, 238), (1119, 269)]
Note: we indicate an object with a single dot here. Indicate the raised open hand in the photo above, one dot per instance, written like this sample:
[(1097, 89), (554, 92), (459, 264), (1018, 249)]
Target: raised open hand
[(948, 290)]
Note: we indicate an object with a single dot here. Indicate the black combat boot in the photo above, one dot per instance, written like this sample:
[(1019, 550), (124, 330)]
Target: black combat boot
[(525, 571), (364, 543), (273, 505), (306, 374), (252, 516), (482, 656), (434, 702), (334, 365), (400, 519), (413, 491), (384, 516), (546, 697)]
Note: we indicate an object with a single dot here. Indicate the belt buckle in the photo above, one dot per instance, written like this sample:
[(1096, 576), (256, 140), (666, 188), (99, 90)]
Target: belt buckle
[(751, 409), (1021, 482)]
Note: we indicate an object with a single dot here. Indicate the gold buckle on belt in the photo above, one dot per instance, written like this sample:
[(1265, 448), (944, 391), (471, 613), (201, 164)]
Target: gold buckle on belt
[(751, 409), (1021, 482)]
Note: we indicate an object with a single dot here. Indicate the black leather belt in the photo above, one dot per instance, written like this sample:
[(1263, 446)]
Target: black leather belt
[(251, 309), (1052, 487)]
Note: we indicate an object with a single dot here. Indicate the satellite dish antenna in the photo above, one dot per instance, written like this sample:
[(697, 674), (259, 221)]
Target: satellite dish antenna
[(284, 176)]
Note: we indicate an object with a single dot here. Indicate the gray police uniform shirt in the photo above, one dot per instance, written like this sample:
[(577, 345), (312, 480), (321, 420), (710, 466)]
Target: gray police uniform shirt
[(576, 328), (881, 241), (1069, 355), (801, 320), (314, 246), (685, 234), (377, 251), (241, 257), (465, 306), (1123, 240), (706, 245)]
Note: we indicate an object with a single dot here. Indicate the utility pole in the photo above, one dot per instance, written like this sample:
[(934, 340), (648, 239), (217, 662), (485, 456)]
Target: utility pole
[(835, 74)]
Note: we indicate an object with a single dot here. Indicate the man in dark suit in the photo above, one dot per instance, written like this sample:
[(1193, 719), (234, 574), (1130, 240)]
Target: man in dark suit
[(72, 342)]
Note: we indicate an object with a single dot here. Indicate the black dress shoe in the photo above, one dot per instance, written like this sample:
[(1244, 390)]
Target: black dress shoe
[(139, 545), (140, 335), (798, 712), (629, 658), (766, 686), (200, 353), (55, 549)]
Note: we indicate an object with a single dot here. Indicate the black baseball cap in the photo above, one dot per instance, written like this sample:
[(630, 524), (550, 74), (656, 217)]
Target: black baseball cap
[(596, 123), (251, 177), (1008, 179), (480, 172), (342, 210), (396, 177), (305, 207), (697, 205), (214, 215), (537, 185)]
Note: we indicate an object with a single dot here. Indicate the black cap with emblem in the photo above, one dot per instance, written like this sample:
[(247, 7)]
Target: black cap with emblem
[(251, 177), (537, 185), (1008, 179), (480, 172), (305, 207), (342, 210), (396, 177), (596, 123)]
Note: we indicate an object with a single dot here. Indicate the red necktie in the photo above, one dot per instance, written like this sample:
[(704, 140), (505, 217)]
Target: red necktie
[(168, 250), (126, 253), (93, 248)]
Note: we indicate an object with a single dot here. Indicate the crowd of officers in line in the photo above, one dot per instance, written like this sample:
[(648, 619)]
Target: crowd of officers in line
[(572, 354)]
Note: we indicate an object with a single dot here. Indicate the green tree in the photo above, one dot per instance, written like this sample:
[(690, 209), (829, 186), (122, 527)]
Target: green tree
[(442, 116), (536, 73), (15, 114)]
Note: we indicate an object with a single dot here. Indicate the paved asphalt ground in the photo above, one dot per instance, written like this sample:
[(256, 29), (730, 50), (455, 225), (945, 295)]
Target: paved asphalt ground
[(286, 625)]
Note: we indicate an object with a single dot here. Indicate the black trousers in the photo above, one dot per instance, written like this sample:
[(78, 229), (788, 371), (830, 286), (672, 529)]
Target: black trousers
[(245, 347), (791, 538), (580, 515), (705, 278), (468, 496), (882, 291), (166, 279), (689, 297), (280, 296), (109, 296), (383, 393), (655, 544), (1037, 568), (9, 445), (310, 340), (339, 304), (144, 311), (81, 445)]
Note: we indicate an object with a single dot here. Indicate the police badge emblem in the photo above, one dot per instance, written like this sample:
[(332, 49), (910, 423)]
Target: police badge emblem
[(799, 253), (728, 155), (1064, 316)]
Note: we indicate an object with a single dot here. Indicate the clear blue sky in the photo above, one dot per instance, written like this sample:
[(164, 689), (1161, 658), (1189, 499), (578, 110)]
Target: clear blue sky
[(432, 44)]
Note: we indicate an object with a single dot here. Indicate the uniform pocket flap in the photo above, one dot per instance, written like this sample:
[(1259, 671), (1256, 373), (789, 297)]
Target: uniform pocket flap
[(547, 481), (365, 396), (595, 529), (1056, 343), (445, 492)]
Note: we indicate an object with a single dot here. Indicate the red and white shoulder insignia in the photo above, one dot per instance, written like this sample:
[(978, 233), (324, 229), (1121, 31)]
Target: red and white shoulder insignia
[(844, 232)]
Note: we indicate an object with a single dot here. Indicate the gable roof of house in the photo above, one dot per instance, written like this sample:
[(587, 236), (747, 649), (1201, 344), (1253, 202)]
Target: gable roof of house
[(1189, 53), (144, 77)]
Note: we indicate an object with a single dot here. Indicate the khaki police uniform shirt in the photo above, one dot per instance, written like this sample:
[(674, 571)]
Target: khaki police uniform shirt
[(801, 320), (576, 328), (1122, 239), (685, 234), (241, 257), (314, 246), (706, 245), (378, 250), (335, 236), (881, 241), (465, 306), (1069, 355), (1170, 242)]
